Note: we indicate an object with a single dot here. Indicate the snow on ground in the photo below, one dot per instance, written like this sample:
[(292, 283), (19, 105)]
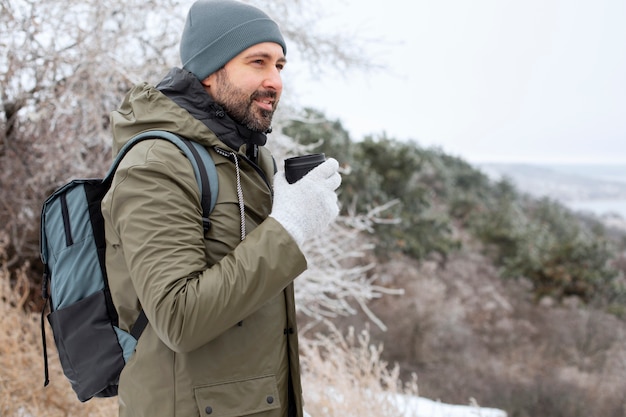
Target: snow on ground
[(412, 406), (423, 407)]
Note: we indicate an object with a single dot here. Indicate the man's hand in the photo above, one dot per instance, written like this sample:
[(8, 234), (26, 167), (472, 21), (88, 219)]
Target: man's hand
[(306, 207)]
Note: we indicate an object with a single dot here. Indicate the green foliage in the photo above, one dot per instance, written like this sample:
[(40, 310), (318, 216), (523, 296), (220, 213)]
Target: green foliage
[(425, 225), (544, 242), (440, 195)]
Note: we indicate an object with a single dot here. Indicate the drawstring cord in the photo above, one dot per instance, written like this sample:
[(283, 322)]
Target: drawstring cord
[(242, 209)]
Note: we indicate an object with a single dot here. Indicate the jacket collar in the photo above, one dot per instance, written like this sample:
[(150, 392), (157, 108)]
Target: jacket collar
[(186, 91)]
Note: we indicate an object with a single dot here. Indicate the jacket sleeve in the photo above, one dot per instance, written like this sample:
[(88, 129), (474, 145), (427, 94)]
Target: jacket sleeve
[(154, 208)]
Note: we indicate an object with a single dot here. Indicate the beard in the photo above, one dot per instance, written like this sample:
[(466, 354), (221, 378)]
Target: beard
[(240, 106)]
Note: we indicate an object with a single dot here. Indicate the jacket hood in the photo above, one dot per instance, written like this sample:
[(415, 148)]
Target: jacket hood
[(178, 104)]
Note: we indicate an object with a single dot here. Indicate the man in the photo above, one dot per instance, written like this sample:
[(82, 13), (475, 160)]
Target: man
[(222, 337)]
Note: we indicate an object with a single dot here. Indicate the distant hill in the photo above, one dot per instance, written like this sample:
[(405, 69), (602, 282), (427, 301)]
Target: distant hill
[(596, 188), (563, 182)]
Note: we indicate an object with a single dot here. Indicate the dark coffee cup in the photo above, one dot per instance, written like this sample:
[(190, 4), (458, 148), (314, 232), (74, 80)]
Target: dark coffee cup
[(298, 166)]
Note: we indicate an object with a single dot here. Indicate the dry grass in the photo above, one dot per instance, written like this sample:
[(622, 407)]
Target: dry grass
[(345, 376)]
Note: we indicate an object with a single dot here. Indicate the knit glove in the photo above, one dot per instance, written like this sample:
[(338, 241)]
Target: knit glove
[(306, 207)]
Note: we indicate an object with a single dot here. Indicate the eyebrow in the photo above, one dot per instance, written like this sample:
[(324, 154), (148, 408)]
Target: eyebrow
[(266, 55)]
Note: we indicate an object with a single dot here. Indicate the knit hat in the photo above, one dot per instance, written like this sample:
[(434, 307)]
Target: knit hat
[(218, 30)]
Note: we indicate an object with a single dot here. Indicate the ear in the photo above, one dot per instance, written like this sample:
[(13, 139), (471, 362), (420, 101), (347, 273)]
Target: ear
[(207, 81)]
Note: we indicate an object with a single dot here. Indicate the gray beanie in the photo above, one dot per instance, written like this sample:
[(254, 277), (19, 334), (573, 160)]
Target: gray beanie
[(218, 30)]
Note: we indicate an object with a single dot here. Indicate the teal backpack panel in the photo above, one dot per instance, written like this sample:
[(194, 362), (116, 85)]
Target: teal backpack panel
[(77, 249)]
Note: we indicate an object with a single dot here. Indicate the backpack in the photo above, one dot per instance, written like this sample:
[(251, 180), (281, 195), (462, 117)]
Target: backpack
[(92, 349)]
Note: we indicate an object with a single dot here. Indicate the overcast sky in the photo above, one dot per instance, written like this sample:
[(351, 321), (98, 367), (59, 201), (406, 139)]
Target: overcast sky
[(487, 80)]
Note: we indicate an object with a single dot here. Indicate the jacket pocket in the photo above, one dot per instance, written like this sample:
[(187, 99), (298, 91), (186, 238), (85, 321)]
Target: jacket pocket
[(238, 398)]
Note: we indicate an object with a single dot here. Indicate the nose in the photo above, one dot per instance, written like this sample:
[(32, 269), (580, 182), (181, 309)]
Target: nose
[(273, 80)]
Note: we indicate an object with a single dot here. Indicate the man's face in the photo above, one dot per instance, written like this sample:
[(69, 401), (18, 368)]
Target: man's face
[(249, 86)]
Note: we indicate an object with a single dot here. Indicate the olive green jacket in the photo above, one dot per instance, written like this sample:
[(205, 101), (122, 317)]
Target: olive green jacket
[(222, 336)]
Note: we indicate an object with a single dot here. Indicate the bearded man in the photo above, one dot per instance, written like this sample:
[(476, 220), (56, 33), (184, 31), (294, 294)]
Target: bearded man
[(221, 337)]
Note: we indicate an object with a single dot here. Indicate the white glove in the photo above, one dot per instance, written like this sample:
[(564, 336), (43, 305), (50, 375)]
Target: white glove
[(306, 207)]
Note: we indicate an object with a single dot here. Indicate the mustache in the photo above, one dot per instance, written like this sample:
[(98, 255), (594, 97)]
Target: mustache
[(264, 94)]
